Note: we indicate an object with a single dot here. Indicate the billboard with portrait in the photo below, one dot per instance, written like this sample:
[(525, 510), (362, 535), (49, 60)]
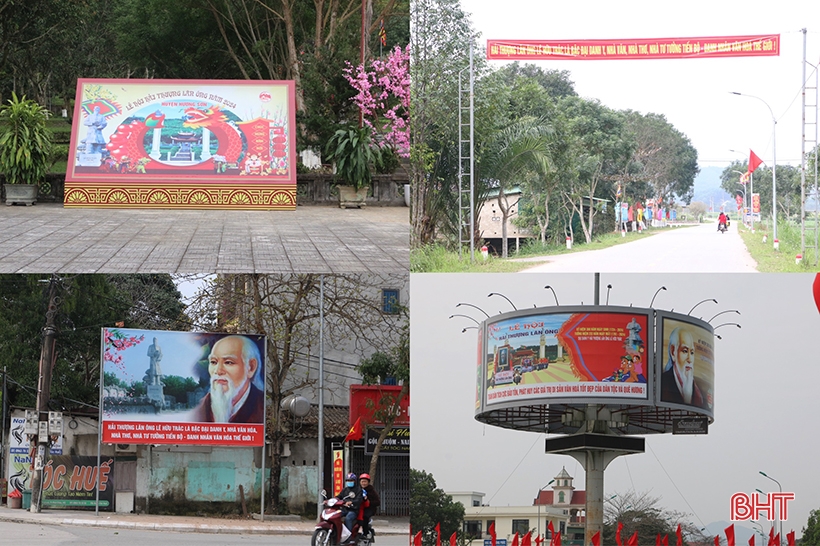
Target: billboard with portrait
[(183, 144), (686, 363), (567, 354), (163, 387)]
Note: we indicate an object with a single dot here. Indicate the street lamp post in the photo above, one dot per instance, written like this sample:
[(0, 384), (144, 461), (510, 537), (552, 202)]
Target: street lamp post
[(780, 487), (539, 505), (774, 165)]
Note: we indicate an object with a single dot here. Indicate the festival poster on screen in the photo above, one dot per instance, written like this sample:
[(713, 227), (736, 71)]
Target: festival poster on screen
[(183, 388), (184, 143), (567, 355)]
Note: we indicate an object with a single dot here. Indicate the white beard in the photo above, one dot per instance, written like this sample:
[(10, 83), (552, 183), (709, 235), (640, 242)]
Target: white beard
[(688, 387), (221, 404)]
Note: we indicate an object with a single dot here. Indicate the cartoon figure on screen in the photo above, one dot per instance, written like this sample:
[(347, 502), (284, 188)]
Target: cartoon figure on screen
[(236, 394), (678, 378)]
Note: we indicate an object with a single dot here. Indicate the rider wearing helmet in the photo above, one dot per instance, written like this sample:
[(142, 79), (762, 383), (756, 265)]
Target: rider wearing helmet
[(721, 220), (352, 498), (371, 502)]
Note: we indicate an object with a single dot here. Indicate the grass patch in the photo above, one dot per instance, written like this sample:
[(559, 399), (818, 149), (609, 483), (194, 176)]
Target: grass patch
[(770, 260), (437, 259)]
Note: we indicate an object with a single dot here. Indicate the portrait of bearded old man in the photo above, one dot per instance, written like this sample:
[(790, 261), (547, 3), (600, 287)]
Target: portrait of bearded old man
[(678, 384), (236, 386)]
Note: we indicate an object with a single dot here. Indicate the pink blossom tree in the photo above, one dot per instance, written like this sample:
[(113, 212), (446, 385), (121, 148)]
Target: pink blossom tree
[(383, 97)]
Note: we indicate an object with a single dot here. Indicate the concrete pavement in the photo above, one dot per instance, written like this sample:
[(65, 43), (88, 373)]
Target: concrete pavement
[(272, 525), (47, 238)]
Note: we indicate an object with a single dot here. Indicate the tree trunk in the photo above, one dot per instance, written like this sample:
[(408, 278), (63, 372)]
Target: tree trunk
[(293, 54), (505, 209)]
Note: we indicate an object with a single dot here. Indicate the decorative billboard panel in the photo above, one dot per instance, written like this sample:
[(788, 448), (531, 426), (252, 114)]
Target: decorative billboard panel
[(162, 387), (640, 48), (686, 363), (591, 353), (183, 144)]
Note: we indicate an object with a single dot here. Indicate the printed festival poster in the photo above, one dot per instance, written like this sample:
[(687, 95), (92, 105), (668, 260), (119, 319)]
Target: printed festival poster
[(184, 388), (567, 355), (687, 366), (182, 143)]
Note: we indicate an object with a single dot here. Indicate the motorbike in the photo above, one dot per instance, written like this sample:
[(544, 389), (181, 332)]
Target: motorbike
[(722, 227), (330, 529)]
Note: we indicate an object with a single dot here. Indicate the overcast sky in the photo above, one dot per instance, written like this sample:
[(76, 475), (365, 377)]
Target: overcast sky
[(693, 94), (766, 402)]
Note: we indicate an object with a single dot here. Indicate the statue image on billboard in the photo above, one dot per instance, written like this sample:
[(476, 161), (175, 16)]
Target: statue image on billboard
[(687, 376), (565, 355)]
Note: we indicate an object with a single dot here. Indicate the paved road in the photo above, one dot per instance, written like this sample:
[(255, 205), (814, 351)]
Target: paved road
[(698, 249), (48, 238)]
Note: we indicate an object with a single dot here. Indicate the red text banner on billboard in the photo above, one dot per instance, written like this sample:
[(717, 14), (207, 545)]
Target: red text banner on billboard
[(183, 144), (338, 471), (369, 403), (184, 388), (636, 48), (686, 363), (568, 353)]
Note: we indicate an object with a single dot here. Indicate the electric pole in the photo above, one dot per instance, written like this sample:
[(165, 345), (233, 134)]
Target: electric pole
[(47, 357)]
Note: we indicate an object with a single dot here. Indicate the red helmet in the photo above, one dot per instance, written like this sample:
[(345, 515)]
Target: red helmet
[(365, 477)]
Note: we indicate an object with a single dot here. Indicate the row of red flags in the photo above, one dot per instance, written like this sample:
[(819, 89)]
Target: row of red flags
[(526, 540)]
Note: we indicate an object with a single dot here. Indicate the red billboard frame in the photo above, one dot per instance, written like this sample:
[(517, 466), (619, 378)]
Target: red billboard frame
[(366, 399)]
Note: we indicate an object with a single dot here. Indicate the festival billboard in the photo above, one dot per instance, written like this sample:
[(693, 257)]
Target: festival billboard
[(686, 363), (636, 48), (567, 354), (183, 144), (183, 388)]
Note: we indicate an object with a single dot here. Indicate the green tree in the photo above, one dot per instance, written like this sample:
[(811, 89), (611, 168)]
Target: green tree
[(430, 506), (811, 532), (86, 304)]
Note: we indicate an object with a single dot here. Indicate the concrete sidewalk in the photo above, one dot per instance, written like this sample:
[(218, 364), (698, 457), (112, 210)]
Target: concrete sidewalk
[(272, 525), (47, 238)]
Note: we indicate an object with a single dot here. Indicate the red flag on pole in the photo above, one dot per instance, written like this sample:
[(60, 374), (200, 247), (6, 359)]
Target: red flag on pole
[(633, 540), (717, 540), (679, 535), (658, 540), (453, 539), (526, 540), (771, 536), (665, 541), (515, 540), (776, 540), (754, 161), (596, 539), (438, 534), (355, 432), (491, 531), (730, 535), (557, 540), (752, 541), (538, 540), (618, 533), (417, 539), (790, 538)]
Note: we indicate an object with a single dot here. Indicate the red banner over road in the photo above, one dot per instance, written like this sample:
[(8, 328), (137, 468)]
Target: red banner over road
[(640, 48)]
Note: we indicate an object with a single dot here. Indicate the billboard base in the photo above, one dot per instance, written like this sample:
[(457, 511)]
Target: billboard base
[(181, 196)]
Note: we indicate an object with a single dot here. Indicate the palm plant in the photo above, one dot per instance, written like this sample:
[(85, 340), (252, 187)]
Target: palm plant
[(355, 155), (25, 142)]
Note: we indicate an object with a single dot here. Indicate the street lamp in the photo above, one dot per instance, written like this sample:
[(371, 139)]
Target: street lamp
[(780, 487), (774, 164), (539, 505)]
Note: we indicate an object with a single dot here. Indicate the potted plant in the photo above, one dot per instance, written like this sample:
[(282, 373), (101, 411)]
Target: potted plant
[(25, 148), (354, 154)]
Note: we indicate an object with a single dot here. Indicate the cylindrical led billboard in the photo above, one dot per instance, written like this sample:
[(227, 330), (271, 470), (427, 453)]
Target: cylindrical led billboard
[(686, 363), (590, 354), (188, 388)]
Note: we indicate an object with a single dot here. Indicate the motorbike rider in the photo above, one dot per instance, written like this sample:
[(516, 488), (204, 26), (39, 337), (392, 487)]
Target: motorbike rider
[(371, 502), (721, 220), (351, 497)]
